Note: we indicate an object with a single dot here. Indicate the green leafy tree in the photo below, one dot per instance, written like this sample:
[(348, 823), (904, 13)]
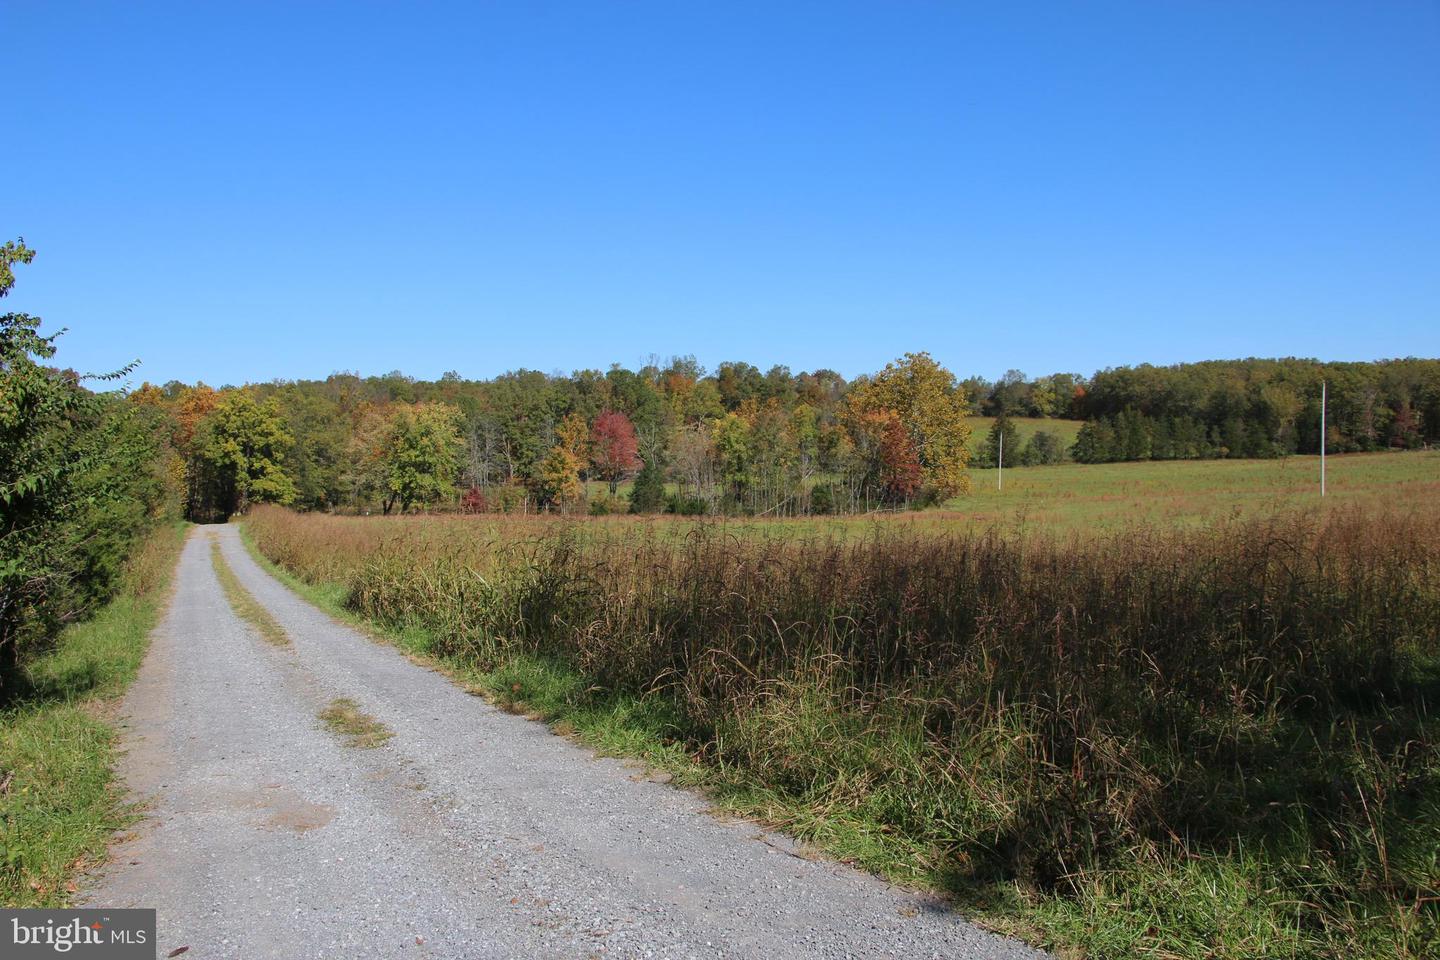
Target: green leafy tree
[(421, 455), (731, 439), (1042, 449), (1095, 442), (240, 450)]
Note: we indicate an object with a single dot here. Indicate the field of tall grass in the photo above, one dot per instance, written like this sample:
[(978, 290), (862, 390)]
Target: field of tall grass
[(1169, 741)]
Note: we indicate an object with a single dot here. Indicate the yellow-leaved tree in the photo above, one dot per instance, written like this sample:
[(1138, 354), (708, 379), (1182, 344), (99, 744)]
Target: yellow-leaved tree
[(931, 407)]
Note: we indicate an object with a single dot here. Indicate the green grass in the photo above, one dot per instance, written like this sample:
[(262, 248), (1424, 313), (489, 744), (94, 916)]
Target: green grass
[(1025, 427), (1093, 499), (1184, 492), (59, 803), (245, 605)]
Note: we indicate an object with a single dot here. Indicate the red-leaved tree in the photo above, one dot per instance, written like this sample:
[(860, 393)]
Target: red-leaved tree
[(614, 448), (899, 460)]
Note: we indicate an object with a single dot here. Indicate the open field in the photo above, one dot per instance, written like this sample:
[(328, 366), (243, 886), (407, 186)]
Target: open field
[(1090, 498), (1080, 496), (1175, 739), (1026, 427)]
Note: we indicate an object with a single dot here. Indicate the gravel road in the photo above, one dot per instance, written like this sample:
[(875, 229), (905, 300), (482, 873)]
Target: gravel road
[(472, 833)]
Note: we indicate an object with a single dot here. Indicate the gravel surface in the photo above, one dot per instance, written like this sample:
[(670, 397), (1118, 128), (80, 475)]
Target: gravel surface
[(472, 833)]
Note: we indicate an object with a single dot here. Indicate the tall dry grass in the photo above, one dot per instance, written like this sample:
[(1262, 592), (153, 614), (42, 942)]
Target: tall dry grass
[(1022, 709)]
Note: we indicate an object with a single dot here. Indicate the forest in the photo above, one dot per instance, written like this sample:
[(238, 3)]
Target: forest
[(738, 441)]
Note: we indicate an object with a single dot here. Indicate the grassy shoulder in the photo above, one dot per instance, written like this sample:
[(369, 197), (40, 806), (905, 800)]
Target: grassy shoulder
[(59, 803)]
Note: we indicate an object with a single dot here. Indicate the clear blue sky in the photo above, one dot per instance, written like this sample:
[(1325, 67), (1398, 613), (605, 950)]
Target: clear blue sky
[(248, 191)]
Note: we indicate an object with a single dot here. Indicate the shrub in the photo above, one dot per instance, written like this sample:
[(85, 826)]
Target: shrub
[(604, 506), (686, 506), (508, 498), (647, 495)]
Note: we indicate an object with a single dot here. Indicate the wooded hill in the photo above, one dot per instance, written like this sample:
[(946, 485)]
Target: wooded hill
[(741, 441)]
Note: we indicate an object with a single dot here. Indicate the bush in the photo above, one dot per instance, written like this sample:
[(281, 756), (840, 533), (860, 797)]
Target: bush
[(686, 506), (604, 506), (79, 485), (508, 498)]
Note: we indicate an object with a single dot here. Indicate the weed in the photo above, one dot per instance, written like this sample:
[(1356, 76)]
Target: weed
[(244, 604), (344, 717)]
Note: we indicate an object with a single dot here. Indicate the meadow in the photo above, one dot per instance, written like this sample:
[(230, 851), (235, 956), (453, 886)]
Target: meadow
[(1175, 710), (1086, 499), (1025, 428)]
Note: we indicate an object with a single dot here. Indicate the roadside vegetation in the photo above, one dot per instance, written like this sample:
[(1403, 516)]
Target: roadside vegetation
[(1208, 742), (244, 604), (59, 804), (86, 548), (80, 484)]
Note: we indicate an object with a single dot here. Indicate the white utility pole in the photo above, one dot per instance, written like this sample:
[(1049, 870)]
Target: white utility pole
[(1322, 438), (1000, 463)]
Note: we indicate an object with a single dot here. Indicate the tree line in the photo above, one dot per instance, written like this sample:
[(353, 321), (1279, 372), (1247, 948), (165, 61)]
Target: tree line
[(686, 441), (740, 441), (1257, 408)]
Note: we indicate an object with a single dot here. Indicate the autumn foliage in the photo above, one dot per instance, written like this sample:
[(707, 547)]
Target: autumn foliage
[(614, 448)]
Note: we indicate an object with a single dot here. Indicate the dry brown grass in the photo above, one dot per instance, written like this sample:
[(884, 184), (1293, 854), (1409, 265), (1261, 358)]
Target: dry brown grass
[(344, 717), (1257, 695)]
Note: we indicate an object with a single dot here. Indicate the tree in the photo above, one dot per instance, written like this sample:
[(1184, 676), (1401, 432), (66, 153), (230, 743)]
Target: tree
[(1133, 435), (79, 480), (932, 409), (421, 454), (556, 481), (614, 448), (1405, 430), (1003, 429), (730, 438), (1095, 442), (1042, 449), (363, 475), (240, 449), (648, 493), (899, 461), (574, 436)]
